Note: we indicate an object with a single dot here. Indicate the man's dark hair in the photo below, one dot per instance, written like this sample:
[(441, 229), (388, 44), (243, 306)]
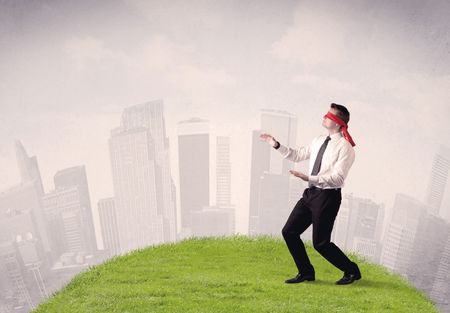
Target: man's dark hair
[(342, 112)]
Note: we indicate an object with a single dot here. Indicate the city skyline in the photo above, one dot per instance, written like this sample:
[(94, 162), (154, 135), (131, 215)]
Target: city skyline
[(101, 103)]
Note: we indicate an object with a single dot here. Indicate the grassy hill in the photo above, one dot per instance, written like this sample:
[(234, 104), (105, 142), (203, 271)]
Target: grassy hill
[(230, 274)]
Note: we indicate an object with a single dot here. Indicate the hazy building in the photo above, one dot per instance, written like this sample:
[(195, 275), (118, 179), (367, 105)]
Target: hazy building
[(429, 243), (340, 229), (440, 291), (194, 163), (438, 180), (76, 177), (223, 171), (27, 195), (364, 227), (21, 212), (260, 158), (134, 180), (108, 224), (15, 293), (273, 204), (150, 115), (28, 168), (398, 242), (212, 221), (143, 187), (283, 126), (66, 220), (268, 161)]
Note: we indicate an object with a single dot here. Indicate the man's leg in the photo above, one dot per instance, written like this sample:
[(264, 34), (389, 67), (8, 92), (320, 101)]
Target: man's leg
[(325, 209), (299, 220)]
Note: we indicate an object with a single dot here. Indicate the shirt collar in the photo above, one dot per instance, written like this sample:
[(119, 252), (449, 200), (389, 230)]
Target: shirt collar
[(335, 136)]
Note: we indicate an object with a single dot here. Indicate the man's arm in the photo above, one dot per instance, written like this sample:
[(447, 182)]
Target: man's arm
[(340, 169), (296, 155)]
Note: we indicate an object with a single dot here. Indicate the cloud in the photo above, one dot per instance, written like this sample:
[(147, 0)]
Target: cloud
[(159, 57), (87, 49), (314, 38)]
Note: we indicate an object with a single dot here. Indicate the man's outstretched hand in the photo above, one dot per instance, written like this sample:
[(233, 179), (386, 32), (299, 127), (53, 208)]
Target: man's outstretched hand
[(268, 138), (300, 175)]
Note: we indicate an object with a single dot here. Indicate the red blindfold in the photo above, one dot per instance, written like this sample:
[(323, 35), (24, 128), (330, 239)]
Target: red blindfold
[(335, 118)]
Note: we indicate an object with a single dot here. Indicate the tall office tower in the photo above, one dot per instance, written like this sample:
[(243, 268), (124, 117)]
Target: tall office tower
[(283, 126), (16, 291), (398, 240), (31, 260), (25, 200), (223, 171), (28, 167), (429, 243), (76, 177), (140, 195), (259, 164), (364, 227), (64, 211), (143, 187), (150, 115), (438, 180), (108, 223), (340, 229), (267, 161), (193, 160), (440, 292), (29, 192), (223, 179), (273, 204)]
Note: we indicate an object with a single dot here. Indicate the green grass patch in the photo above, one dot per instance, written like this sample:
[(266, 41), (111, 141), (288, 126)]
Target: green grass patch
[(230, 274)]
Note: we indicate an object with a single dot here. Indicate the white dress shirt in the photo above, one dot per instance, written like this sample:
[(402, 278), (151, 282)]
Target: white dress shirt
[(336, 162)]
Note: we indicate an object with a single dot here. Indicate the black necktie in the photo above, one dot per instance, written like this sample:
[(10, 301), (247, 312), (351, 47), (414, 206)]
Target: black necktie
[(318, 162)]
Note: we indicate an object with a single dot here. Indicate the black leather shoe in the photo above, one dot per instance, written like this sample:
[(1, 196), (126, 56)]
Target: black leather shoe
[(349, 278), (299, 278)]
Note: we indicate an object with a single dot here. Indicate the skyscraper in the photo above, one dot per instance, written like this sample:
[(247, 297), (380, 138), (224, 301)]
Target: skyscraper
[(283, 126), (438, 180), (150, 115), (260, 159), (28, 167), (76, 177), (429, 243), (64, 211), (440, 292), (193, 160), (31, 190), (143, 187), (223, 171), (398, 240), (108, 223), (267, 164), (364, 225)]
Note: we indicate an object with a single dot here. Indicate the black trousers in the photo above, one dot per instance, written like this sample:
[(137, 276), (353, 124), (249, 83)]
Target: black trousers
[(318, 207)]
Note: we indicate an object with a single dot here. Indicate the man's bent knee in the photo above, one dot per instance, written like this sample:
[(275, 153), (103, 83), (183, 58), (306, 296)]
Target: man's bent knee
[(320, 246), (288, 232)]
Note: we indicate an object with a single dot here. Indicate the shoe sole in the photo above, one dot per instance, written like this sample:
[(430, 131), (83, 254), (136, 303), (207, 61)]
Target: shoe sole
[(297, 282), (349, 282)]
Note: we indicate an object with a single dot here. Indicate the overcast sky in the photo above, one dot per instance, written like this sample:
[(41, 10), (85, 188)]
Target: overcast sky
[(69, 68)]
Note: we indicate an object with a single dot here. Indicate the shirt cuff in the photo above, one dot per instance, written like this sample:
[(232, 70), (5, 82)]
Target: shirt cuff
[(313, 179)]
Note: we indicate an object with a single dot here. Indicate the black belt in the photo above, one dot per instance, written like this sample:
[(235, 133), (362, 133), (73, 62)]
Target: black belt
[(314, 187)]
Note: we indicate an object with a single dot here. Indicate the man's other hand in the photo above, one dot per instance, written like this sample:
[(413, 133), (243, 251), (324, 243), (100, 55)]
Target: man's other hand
[(300, 175)]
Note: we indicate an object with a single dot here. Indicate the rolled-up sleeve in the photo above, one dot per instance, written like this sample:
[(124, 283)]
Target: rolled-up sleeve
[(296, 155), (340, 170)]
